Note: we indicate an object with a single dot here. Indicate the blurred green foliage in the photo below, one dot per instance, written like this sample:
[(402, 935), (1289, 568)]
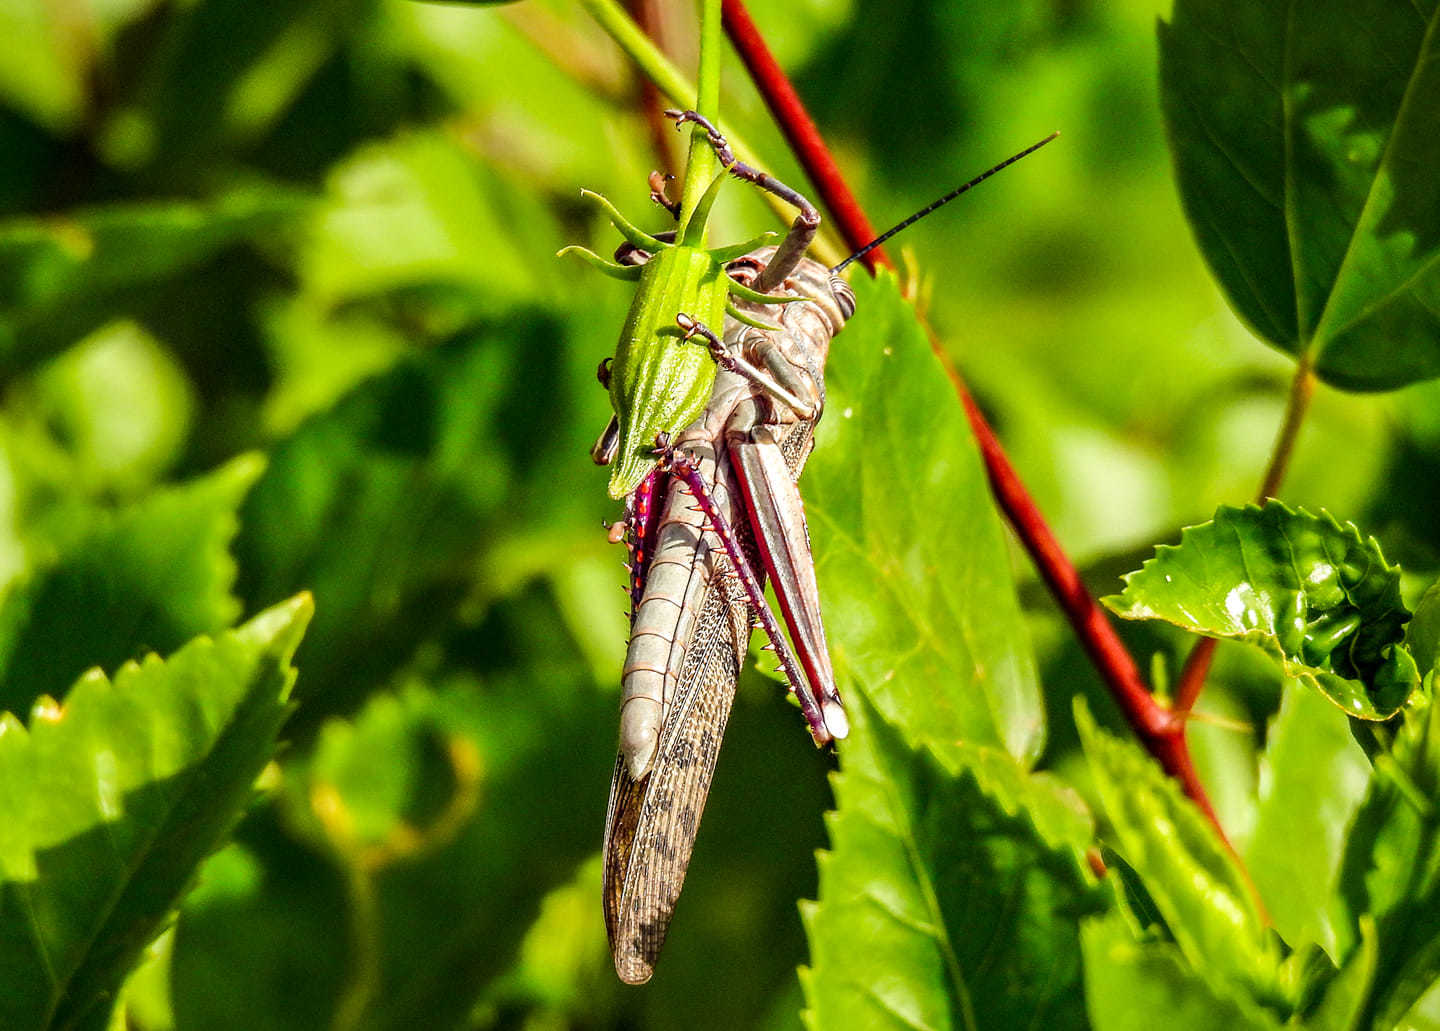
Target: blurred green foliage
[(323, 232)]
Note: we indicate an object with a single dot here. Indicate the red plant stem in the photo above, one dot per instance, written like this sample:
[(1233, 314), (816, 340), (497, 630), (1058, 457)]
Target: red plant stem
[(1192, 676), (1160, 733), (800, 132)]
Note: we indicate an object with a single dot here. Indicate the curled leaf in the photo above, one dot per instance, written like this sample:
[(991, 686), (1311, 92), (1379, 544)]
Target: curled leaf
[(1303, 587)]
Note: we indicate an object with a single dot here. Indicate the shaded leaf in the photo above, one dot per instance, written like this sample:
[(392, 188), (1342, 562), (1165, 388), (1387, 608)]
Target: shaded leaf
[(963, 884), (1193, 879), (60, 277), (912, 563), (1130, 983), (1342, 1006), (146, 578), (386, 505), (1312, 778), (1306, 589), (114, 797), (1303, 144)]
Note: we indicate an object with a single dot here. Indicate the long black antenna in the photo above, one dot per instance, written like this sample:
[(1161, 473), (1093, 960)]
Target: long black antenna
[(941, 202)]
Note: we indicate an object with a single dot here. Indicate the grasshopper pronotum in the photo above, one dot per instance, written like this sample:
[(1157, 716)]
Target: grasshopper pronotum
[(721, 495)]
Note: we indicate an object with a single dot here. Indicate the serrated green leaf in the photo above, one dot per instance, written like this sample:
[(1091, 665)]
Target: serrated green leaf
[(912, 563), (112, 800), (147, 578), (1312, 778), (443, 885), (1305, 588), (61, 277), (1391, 871), (1303, 144), (1193, 879), (964, 885), (1131, 985)]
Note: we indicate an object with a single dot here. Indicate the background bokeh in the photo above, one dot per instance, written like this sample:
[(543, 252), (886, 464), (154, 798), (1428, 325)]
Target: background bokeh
[(325, 230)]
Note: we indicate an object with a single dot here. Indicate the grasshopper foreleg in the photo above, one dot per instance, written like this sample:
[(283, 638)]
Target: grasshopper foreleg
[(731, 360), (802, 231), (815, 715)]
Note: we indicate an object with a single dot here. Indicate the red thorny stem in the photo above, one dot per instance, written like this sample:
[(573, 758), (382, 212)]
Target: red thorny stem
[(1162, 735)]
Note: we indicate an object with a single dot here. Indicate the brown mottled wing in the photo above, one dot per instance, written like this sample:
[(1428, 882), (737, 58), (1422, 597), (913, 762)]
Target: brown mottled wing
[(650, 827)]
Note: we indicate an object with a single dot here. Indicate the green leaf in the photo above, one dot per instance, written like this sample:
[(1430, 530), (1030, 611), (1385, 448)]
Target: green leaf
[(1194, 880), (962, 884), (388, 505), (146, 578), (61, 277), (912, 562), (439, 863), (1422, 636), (1306, 589), (1303, 144), (1342, 1006), (1312, 779), (114, 797), (1130, 983), (1391, 871)]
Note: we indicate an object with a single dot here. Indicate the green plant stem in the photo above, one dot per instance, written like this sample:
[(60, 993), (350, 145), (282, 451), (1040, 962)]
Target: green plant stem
[(1302, 389), (679, 90), (702, 166)]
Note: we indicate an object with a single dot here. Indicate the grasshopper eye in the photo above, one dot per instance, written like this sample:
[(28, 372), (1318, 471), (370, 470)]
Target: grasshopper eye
[(844, 296)]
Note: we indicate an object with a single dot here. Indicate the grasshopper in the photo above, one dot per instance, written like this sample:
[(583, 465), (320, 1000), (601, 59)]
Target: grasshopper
[(659, 381), (715, 509)]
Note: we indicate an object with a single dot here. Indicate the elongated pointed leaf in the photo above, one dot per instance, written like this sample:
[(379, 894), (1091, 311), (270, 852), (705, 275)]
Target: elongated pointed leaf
[(147, 578), (112, 799), (1195, 882), (949, 896), (1304, 144), (914, 574), (1391, 872), (1305, 588), (1312, 778)]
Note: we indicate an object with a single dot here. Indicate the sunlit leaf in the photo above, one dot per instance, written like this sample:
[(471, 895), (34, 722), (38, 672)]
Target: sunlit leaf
[(914, 575), (113, 798), (964, 884), (1129, 983), (1307, 589), (1196, 883), (145, 578), (1304, 144), (439, 817), (1312, 778)]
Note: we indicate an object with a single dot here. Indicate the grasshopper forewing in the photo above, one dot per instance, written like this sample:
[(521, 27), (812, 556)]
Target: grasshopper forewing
[(728, 508)]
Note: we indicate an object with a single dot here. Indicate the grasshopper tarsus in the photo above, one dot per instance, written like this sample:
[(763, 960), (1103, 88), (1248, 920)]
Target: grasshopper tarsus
[(658, 194), (802, 231)]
